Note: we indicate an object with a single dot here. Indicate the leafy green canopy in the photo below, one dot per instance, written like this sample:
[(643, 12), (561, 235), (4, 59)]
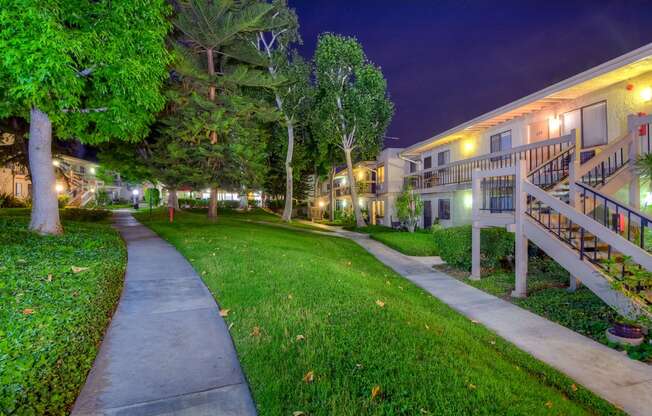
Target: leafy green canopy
[(95, 67), (353, 109)]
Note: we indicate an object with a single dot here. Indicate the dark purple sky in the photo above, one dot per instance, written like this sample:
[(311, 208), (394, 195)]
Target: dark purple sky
[(449, 61)]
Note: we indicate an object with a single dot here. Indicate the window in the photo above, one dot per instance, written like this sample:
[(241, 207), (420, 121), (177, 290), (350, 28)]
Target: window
[(427, 162), (413, 167), (380, 174), (19, 189), (593, 121), (444, 209), (443, 158), (499, 142)]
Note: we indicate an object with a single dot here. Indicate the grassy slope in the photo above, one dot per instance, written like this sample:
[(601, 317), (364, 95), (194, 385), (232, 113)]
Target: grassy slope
[(50, 328), (426, 358), (418, 243)]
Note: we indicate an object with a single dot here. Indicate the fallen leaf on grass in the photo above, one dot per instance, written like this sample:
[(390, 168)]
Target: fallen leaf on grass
[(298, 413), (472, 386), (290, 296), (359, 366), (300, 337), (224, 312), (475, 321), (427, 327), (309, 377), (380, 303), (255, 332), (549, 404), (348, 263), (76, 269), (375, 391), (574, 387), (49, 277), (28, 311), (230, 326)]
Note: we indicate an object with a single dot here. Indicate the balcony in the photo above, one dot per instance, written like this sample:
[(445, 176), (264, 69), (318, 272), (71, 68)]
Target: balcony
[(459, 172), (366, 187)]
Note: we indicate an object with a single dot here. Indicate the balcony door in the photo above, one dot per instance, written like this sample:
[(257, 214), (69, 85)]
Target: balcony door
[(500, 142), (592, 119), (427, 214)]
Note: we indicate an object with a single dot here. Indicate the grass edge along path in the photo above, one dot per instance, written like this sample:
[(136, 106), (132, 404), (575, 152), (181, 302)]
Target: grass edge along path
[(322, 327), (57, 296)]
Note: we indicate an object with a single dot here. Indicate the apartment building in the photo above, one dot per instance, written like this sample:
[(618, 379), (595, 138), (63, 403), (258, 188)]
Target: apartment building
[(378, 184)]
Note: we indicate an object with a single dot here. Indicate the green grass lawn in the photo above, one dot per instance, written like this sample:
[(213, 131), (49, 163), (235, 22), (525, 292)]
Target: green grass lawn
[(418, 243), (319, 324), (52, 317)]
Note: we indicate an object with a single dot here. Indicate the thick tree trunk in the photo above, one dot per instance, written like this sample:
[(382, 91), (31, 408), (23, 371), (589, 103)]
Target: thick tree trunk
[(45, 209), (359, 221), (289, 185), (212, 204), (173, 201)]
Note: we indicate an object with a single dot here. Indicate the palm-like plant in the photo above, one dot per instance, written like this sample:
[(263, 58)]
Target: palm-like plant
[(212, 52)]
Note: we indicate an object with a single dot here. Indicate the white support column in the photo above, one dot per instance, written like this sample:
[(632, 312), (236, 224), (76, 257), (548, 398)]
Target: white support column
[(574, 202), (520, 250), (634, 184), (476, 198)]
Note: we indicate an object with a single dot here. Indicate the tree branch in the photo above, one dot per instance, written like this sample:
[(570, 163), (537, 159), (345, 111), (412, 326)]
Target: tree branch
[(85, 110)]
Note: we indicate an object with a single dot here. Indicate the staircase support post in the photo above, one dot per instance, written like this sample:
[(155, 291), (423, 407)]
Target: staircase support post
[(574, 202), (634, 184), (520, 249), (476, 196)]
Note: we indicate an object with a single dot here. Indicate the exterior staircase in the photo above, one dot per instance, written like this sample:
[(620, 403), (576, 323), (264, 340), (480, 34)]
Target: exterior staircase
[(568, 209)]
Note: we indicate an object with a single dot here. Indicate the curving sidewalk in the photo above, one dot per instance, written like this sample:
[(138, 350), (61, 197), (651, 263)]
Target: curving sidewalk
[(167, 350)]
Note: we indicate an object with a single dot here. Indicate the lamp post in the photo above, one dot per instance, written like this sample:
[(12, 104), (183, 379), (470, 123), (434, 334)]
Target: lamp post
[(135, 194)]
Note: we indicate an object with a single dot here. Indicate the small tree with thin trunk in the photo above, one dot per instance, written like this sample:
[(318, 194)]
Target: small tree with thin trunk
[(352, 109), (91, 70), (409, 207)]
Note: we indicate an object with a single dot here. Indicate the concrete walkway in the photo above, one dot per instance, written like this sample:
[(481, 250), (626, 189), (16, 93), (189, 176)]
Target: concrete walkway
[(607, 372), (167, 350)]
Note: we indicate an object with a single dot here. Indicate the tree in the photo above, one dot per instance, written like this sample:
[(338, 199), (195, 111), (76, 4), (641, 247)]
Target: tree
[(409, 207), (213, 33), (292, 97), (88, 70), (353, 109)]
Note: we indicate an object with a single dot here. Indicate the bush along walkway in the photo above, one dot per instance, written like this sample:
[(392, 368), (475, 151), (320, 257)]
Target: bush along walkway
[(608, 373), (167, 350)]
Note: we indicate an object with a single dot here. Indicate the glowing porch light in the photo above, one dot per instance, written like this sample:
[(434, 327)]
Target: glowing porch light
[(344, 203), (468, 147), (92, 189), (344, 181), (646, 94), (554, 123), (360, 201), (468, 200), (360, 175), (135, 192), (55, 163), (92, 170), (59, 188), (321, 204)]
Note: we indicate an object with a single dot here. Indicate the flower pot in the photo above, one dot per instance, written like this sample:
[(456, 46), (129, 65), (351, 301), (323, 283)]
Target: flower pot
[(627, 331)]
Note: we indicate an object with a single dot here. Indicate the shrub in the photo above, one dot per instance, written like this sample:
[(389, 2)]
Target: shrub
[(102, 198), (62, 200), (228, 204), (84, 215), (454, 244), (409, 207), (52, 319), (9, 201), (193, 203)]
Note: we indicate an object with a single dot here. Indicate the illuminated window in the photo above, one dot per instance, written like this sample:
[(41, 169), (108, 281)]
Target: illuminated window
[(19, 189), (380, 209), (380, 174)]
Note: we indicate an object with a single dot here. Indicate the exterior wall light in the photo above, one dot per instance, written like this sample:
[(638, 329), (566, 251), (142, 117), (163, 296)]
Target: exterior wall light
[(55, 163), (92, 170), (344, 203), (321, 204), (360, 201), (646, 94), (469, 147), (134, 192), (59, 188), (468, 200), (554, 123)]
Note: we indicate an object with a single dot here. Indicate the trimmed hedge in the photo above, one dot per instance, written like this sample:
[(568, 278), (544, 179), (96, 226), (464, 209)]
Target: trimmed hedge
[(52, 318), (454, 244), (84, 215)]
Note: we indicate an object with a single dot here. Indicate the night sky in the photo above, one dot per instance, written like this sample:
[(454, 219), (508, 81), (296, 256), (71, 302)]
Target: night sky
[(449, 61)]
